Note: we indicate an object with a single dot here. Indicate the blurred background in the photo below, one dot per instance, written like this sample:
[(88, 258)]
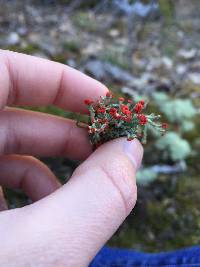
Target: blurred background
[(140, 49)]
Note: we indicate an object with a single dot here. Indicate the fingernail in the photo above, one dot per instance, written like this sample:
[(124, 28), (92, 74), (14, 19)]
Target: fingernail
[(134, 150)]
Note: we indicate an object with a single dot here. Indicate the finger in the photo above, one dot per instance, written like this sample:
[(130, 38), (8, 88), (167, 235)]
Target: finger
[(35, 133), (28, 174), (81, 216), (27, 80), (3, 204)]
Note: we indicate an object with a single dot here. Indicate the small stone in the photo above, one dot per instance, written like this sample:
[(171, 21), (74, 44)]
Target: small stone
[(187, 54), (103, 70), (71, 62), (22, 31), (154, 63), (114, 33), (194, 77), (13, 39), (168, 63), (181, 69)]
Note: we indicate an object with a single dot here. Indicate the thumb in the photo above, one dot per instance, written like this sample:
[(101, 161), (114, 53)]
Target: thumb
[(69, 226)]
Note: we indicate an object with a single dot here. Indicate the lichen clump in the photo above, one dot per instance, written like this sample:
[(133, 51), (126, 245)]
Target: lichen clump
[(173, 147), (110, 118)]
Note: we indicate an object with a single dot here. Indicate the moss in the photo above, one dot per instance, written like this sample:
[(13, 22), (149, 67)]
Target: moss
[(50, 110), (167, 10), (166, 220), (85, 20), (15, 198), (72, 46), (29, 49), (61, 58)]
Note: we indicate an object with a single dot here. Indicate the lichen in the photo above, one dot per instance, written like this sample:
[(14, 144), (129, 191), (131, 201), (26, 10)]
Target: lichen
[(187, 126), (173, 147), (175, 110), (146, 176)]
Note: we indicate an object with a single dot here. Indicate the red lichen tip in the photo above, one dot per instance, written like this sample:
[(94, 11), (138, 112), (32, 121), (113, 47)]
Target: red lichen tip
[(109, 94), (142, 102), (101, 110), (88, 101), (138, 107), (112, 111), (165, 125), (142, 119)]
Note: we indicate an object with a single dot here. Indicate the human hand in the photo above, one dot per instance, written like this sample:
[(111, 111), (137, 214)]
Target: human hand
[(67, 225)]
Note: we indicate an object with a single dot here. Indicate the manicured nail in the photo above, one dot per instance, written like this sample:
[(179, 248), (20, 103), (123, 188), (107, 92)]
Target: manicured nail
[(134, 150)]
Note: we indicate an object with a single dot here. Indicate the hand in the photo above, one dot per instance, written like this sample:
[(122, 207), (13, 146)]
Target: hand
[(67, 225)]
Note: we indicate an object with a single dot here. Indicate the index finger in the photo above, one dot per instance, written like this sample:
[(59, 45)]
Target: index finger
[(28, 80)]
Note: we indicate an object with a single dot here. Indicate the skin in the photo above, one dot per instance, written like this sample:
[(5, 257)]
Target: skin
[(65, 226)]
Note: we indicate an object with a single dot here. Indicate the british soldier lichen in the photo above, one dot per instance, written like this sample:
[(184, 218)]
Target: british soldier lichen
[(110, 118)]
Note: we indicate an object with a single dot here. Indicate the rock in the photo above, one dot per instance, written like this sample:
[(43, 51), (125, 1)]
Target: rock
[(129, 91), (104, 70), (34, 38), (96, 69), (48, 47), (157, 62), (187, 54), (114, 33), (13, 39), (181, 69), (194, 77), (195, 66), (71, 62), (180, 34), (167, 62), (22, 31), (93, 48), (153, 63), (137, 8), (139, 62), (143, 79), (169, 169)]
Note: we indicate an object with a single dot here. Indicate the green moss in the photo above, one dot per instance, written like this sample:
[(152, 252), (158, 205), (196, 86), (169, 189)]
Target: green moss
[(167, 10), (72, 46), (85, 20), (50, 110), (165, 222), (15, 198), (61, 58), (29, 49)]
